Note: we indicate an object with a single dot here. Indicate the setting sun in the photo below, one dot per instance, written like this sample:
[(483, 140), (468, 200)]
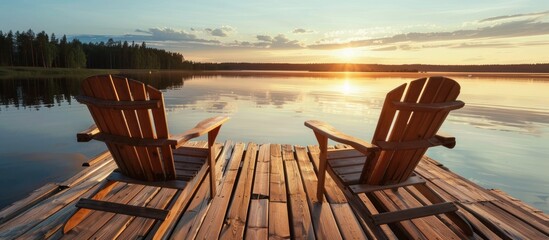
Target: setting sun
[(347, 53)]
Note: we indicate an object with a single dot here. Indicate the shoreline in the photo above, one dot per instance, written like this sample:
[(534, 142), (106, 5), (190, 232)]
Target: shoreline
[(37, 72)]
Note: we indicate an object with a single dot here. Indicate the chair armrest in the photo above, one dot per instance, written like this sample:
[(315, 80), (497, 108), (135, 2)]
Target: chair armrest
[(446, 140), (332, 133), (200, 129), (88, 134)]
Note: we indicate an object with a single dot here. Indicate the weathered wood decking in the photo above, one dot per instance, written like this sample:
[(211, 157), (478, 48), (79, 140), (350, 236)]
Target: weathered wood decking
[(268, 191)]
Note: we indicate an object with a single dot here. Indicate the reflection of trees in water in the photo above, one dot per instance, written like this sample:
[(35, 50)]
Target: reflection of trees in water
[(161, 80), (37, 92), (48, 92)]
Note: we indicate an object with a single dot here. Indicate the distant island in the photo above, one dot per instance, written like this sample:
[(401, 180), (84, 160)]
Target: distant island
[(27, 49)]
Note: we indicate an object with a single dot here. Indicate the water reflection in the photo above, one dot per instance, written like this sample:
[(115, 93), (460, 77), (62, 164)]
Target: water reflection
[(502, 118), (36, 93), (502, 132)]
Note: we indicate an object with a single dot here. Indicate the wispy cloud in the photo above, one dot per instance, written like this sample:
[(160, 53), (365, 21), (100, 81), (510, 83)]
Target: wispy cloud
[(220, 32), (301, 31), (169, 34), (520, 28), (506, 17), (279, 41)]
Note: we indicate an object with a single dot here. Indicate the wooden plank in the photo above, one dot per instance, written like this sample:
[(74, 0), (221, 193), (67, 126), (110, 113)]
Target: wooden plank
[(531, 231), (191, 151), (323, 219), (35, 215), (279, 221), (139, 227), (331, 190), (277, 185), (97, 159), (480, 228), (161, 127), (363, 188), (126, 209), (411, 213), (404, 228), (235, 221), (138, 92), (261, 182), (434, 225), (106, 165), (257, 226), (121, 193), (349, 225), (339, 153), (457, 186), (300, 214), (385, 230), (499, 226), (34, 197), (52, 225), (177, 205), (344, 162), (188, 225), (116, 176), (522, 211), (279, 227), (213, 221), (348, 169), (118, 223)]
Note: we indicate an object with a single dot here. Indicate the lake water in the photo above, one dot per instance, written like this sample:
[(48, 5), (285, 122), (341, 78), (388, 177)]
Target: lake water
[(502, 132)]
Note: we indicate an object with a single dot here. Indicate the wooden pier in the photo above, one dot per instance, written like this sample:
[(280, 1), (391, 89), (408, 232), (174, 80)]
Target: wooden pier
[(267, 191)]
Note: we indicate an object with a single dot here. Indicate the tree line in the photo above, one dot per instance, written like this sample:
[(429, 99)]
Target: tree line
[(42, 50)]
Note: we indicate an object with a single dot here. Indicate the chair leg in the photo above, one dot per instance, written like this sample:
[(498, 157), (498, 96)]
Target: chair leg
[(211, 160), (323, 146), (81, 213), (455, 217)]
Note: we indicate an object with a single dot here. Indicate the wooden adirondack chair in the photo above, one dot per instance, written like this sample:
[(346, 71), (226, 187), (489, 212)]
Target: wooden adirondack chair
[(131, 120), (408, 125)]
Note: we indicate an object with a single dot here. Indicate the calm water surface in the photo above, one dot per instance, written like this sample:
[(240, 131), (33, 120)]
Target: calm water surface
[(502, 132)]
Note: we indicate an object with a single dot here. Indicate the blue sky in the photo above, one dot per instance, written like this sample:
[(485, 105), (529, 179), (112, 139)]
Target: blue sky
[(389, 32)]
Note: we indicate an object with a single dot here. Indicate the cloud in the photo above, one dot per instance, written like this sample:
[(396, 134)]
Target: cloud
[(390, 48), (279, 41), (220, 32), (264, 38), (483, 45), (170, 34), (301, 30), (505, 17), (502, 30), (157, 35)]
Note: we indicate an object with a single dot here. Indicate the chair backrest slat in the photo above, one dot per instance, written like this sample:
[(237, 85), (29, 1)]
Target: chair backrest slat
[(131, 121), (414, 122), (140, 92), (161, 124)]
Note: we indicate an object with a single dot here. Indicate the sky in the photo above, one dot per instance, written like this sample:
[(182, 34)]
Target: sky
[(304, 31)]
